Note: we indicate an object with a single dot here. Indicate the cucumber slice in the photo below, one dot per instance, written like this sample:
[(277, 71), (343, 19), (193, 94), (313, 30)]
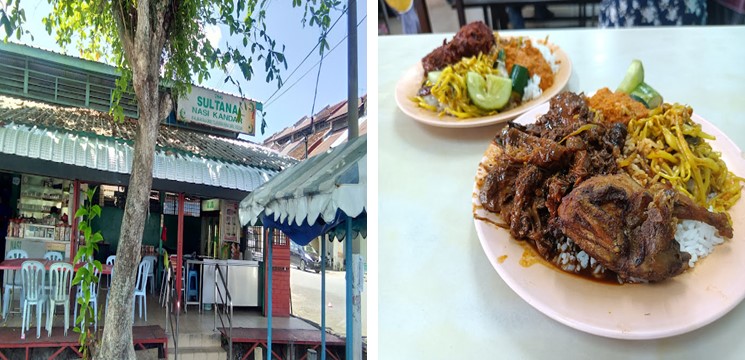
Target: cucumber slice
[(489, 93), (519, 77), (646, 95), (433, 76), (634, 77)]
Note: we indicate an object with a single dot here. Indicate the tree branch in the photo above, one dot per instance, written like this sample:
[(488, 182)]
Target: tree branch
[(124, 35)]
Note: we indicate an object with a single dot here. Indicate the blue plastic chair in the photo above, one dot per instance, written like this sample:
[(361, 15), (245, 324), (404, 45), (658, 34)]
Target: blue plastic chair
[(14, 284), (141, 288), (60, 279), (151, 273), (32, 279)]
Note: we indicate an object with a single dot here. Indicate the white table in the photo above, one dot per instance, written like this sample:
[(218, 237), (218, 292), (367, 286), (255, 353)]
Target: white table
[(439, 296)]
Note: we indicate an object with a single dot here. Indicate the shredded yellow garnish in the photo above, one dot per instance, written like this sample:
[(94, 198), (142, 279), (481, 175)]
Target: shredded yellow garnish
[(670, 147), (450, 89)]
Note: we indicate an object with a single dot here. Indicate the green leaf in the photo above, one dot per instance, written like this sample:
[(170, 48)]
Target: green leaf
[(81, 212), (96, 210)]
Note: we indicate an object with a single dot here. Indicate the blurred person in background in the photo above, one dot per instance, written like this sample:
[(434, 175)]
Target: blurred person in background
[(515, 14), (626, 13)]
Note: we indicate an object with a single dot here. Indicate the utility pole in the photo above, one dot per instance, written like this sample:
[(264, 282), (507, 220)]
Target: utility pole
[(352, 99), (354, 275)]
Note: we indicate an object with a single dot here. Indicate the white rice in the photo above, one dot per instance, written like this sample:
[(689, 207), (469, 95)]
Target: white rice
[(697, 238), (532, 89), (546, 52), (568, 261)]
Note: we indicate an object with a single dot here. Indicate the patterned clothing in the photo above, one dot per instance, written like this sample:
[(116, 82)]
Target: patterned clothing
[(626, 13)]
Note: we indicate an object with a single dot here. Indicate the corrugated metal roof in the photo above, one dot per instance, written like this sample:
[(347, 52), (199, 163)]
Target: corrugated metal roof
[(337, 138), (108, 154), (92, 140), (170, 139)]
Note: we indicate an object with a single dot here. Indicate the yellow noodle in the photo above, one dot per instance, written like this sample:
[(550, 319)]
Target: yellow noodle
[(670, 147)]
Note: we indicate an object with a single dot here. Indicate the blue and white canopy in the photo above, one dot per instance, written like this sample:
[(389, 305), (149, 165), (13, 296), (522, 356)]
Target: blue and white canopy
[(313, 196)]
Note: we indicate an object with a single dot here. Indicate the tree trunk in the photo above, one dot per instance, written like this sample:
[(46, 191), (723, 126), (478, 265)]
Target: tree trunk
[(143, 48)]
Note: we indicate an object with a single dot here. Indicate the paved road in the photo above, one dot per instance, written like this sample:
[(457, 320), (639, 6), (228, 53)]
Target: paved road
[(306, 299)]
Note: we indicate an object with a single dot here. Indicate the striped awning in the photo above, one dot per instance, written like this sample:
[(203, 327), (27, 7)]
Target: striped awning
[(114, 155), (315, 189)]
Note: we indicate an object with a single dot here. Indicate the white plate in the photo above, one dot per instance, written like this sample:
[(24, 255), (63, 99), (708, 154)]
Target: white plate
[(632, 311), (408, 86)]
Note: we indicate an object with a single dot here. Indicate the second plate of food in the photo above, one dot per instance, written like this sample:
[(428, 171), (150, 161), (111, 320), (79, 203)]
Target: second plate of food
[(675, 306), (409, 85)]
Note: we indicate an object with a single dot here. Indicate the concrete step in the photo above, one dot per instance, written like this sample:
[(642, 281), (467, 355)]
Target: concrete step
[(199, 353), (199, 340)]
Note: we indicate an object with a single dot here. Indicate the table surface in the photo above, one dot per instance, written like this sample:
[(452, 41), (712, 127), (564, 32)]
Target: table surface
[(15, 264), (440, 298)]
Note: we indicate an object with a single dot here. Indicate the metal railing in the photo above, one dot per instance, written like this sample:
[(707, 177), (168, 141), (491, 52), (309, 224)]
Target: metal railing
[(172, 299), (227, 306)]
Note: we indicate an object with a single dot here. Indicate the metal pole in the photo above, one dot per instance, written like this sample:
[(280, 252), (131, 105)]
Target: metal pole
[(349, 269), (352, 104), (323, 296), (179, 261), (179, 250), (270, 244), (74, 226)]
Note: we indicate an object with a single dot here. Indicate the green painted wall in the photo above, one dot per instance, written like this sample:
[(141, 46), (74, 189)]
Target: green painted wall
[(110, 224)]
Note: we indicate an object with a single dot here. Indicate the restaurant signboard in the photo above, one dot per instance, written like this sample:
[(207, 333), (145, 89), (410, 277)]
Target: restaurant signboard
[(218, 110)]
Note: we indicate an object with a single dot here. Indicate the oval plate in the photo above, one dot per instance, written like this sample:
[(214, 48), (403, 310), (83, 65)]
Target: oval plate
[(409, 84), (633, 311)]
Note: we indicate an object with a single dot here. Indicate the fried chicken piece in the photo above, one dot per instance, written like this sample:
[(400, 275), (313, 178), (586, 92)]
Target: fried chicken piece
[(472, 39), (629, 229)]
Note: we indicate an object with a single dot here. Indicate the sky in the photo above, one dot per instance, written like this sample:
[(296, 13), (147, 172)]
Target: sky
[(289, 104)]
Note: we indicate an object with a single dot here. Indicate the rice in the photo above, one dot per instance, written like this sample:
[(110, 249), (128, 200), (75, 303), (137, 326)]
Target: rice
[(532, 89), (696, 238), (571, 258), (546, 52)]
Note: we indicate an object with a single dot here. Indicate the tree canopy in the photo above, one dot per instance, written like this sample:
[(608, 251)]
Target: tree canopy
[(102, 30)]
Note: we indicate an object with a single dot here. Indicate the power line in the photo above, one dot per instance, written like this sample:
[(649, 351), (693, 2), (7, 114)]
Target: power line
[(266, 105), (310, 52), (304, 59)]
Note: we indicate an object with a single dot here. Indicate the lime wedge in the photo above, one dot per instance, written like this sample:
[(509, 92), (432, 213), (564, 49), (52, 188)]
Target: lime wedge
[(489, 93)]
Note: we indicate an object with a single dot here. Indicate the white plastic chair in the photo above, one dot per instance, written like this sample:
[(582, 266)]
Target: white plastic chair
[(32, 278), (60, 278), (151, 273), (172, 277), (53, 255), (141, 288), (14, 283), (110, 261), (93, 300)]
